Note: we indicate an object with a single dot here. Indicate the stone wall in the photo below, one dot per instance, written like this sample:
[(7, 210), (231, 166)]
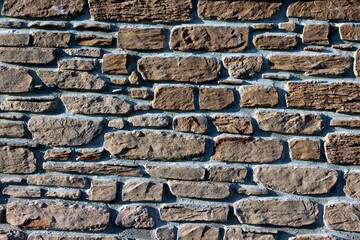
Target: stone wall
[(179, 119)]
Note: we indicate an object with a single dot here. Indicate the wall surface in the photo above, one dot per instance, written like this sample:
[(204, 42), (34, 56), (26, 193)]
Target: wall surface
[(179, 119)]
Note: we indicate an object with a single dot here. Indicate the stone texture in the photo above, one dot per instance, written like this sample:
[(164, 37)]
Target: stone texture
[(12, 129), (316, 34), (259, 96), (340, 97), (195, 124), (320, 237), (96, 104), (89, 154), (77, 64), (149, 120), (57, 154), (47, 24), (287, 26), (165, 233), (22, 192), (116, 63), (136, 10), (290, 213), (74, 236), (252, 190), (343, 217), (63, 193), (57, 215), (176, 172), (342, 148), (51, 39), (93, 26), (102, 191), (184, 69), (135, 217), (174, 98), (199, 190), (93, 40), (141, 38), (237, 10), (10, 234), (200, 232), (345, 123), (30, 104), (140, 93), (150, 145), (357, 63), (250, 234), (350, 32), (227, 174), (55, 131), (147, 191), (263, 26), (84, 52), (27, 143), (247, 150), (57, 180), (305, 149), (15, 80), (233, 124), (14, 40), (209, 38), (184, 213), (296, 180), (117, 123), (215, 98), (243, 67), (275, 42), (17, 160), (27, 55), (351, 187), (324, 64)]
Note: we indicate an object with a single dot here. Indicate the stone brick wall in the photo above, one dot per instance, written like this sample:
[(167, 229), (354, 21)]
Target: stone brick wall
[(179, 119)]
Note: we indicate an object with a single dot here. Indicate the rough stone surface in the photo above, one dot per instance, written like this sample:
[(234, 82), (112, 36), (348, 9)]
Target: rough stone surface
[(116, 63), (233, 124), (27, 55), (305, 149), (342, 148), (287, 26), (200, 232), (275, 42), (343, 217), (22, 192), (345, 123), (14, 80), (57, 154), (227, 174), (93, 40), (84, 52), (252, 190), (174, 98), (102, 191), (177, 173), (243, 67), (140, 93), (351, 187), (316, 34), (17, 160), (251, 234), (176, 213), (63, 193), (30, 104), (51, 39), (259, 96), (195, 124), (350, 32), (147, 191), (74, 64), (215, 98), (141, 38), (9, 234), (152, 121), (12, 129), (309, 237), (135, 216), (14, 40), (57, 180), (165, 233), (73, 236)]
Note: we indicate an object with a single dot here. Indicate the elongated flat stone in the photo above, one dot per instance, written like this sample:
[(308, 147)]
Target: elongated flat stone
[(186, 213), (342, 148), (343, 217), (17, 160), (27, 55)]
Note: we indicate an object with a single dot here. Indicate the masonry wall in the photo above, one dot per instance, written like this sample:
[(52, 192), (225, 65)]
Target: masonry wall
[(179, 119)]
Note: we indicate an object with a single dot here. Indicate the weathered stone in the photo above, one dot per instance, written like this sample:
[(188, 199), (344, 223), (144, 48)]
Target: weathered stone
[(63, 193), (15, 80), (41, 9), (357, 63), (102, 191), (77, 64), (14, 40), (215, 98), (174, 98), (296, 180), (12, 116), (17, 160), (350, 32), (142, 107), (116, 63), (305, 149), (119, 82), (93, 40), (27, 143), (165, 233), (195, 124), (249, 234), (275, 42), (71, 80), (320, 237), (57, 154), (287, 26), (74, 236), (247, 150), (200, 232), (84, 52), (149, 120), (259, 96), (313, 49), (135, 217), (290, 213), (233, 124), (243, 67), (147, 191), (47, 24), (184, 69), (252, 190), (343, 217), (345, 123), (263, 26), (57, 180), (140, 93), (22, 191), (209, 38), (30, 104), (12, 24), (58, 215), (51, 39), (276, 76), (176, 172), (191, 213), (230, 81), (93, 26), (134, 78), (91, 154), (10, 234), (117, 123), (200, 190), (351, 187), (141, 38), (136, 10), (227, 174), (342, 148), (316, 34), (150, 145), (340, 97), (291, 123), (12, 129), (346, 47), (27, 55), (96, 104), (12, 180), (55, 131), (238, 10), (325, 64)]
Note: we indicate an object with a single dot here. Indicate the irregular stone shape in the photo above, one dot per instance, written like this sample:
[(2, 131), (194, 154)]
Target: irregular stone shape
[(290, 213), (12, 180), (316, 34), (200, 190), (134, 78), (63, 193), (209, 38), (343, 217), (47, 24), (116, 63), (71, 80), (14, 40), (57, 154), (42, 9), (243, 67), (263, 26), (54, 131), (75, 236), (291, 123), (150, 145), (135, 217), (147, 191), (200, 232), (12, 24), (141, 38), (27, 55), (57, 180), (102, 191), (117, 123), (96, 104), (350, 32), (259, 96), (142, 107), (275, 42), (195, 124), (305, 149), (165, 233), (27, 143), (51, 39), (296, 180), (9, 234), (251, 234), (77, 64), (12, 116), (22, 191), (30, 104), (324, 64), (227, 174), (84, 52), (233, 124), (215, 98), (17, 160), (340, 97), (93, 40), (309, 237), (173, 98), (140, 93), (136, 10), (15, 80), (93, 26), (58, 215), (176, 172), (89, 154), (12, 129), (149, 120), (238, 10), (357, 63), (191, 213), (184, 69), (352, 186), (329, 10), (252, 190), (345, 123), (342, 148), (247, 150), (95, 168), (287, 26)]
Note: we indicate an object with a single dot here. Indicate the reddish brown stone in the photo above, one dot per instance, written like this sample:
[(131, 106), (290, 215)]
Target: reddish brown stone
[(173, 98), (343, 217), (352, 185), (259, 96), (233, 124), (93, 40), (215, 98), (51, 39), (141, 38), (357, 63), (342, 148), (275, 42), (227, 174), (195, 124), (243, 67), (14, 40), (345, 123), (116, 63), (305, 149), (287, 26), (350, 32), (316, 34), (191, 213)]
